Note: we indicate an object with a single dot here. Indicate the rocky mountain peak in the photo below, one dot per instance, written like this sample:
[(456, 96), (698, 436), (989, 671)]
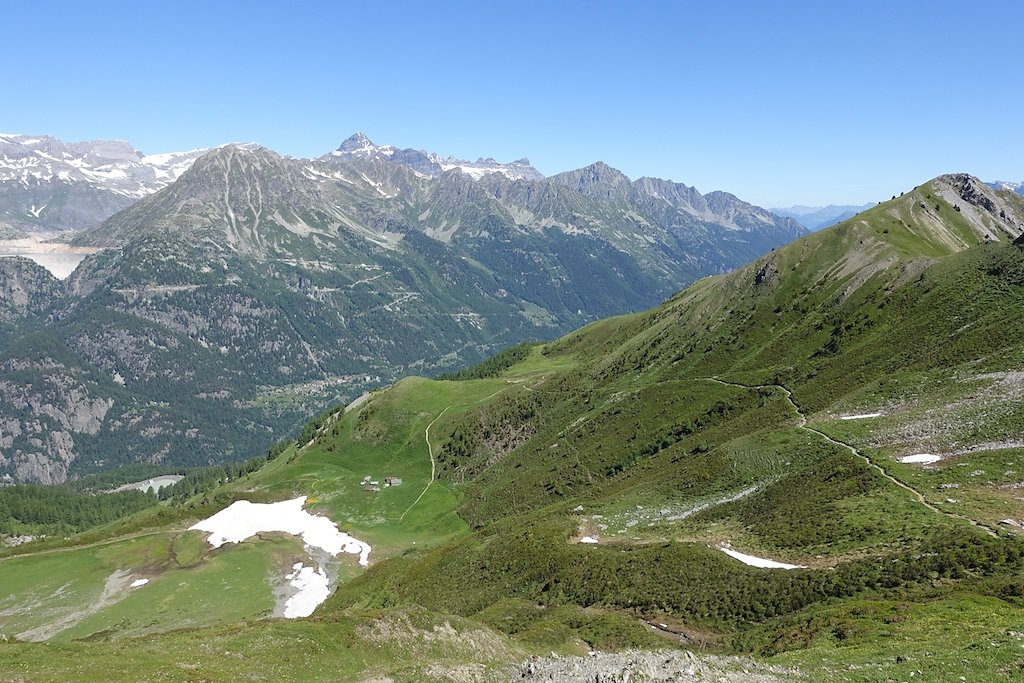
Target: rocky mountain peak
[(979, 203), (235, 158), (357, 139), (358, 145), (1007, 185), (99, 151), (241, 150), (598, 181)]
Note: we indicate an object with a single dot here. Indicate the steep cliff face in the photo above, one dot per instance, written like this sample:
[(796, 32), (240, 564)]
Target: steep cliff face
[(26, 289), (47, 406)]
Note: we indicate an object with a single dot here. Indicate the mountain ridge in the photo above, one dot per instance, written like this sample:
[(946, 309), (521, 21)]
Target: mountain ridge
[(257, 289), (48, 186), (818, 217)]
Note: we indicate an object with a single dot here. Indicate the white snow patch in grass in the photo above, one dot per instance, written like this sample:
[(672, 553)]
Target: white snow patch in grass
[(860, 417), (313, 588), (243, 519), (924, 458), (758, 561), (588, 539), (138, 582)]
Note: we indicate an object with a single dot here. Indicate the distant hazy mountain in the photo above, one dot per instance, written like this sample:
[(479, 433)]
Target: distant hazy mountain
[(1004, 185), (49, 186), (818, 217), (358, 146), (227, 307)]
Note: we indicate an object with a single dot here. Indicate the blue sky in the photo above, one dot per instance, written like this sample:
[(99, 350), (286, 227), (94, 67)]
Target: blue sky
[(778, 102)]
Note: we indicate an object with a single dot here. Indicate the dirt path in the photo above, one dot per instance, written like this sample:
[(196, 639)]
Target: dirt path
[(115, 589), (433, 463), (95, 544), (802, 424), (523, 384)]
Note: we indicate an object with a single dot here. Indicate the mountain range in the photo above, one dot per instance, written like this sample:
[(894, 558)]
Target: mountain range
[(818, 217), (49, 186), (813, 462), (256, 289), (1004, 185)]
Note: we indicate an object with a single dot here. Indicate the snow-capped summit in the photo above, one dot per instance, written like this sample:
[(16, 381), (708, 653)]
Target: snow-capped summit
[(1006, 185), (111, 164), (516, 170), (92, 179), (358, 146)]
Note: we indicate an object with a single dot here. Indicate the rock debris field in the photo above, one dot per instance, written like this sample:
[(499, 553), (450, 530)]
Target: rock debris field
[(652, 667)]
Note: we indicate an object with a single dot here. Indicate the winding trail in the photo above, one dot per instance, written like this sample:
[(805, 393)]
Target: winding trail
[(802, 424), (433, 463)]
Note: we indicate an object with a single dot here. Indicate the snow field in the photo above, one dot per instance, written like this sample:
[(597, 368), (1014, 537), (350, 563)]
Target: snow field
[(758, 561), (242, 520), (313, 587), (923, 458)]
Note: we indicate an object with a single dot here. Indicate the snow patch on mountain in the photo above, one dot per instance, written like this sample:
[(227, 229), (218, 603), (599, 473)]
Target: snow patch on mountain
[(360, 147), (1006, 185), (110, 165), (517, 170)]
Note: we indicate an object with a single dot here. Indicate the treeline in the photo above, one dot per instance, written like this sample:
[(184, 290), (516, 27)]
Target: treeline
[(311, 428), (56, 510), (204, 479), (493, 366), (75, 507)]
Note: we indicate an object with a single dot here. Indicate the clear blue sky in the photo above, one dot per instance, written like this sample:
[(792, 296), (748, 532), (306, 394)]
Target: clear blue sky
[(777, 102)]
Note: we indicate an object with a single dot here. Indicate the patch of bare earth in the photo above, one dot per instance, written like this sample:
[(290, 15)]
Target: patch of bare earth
[(946, 429), (115, 588)]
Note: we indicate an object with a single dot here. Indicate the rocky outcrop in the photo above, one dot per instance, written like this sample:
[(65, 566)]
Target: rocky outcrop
[(41, 420), (670, 665), (971, 191), (767, 275), (984, 209), (26, 288)]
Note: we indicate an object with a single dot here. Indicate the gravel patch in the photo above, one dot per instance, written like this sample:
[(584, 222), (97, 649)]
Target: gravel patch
[(637, 666)]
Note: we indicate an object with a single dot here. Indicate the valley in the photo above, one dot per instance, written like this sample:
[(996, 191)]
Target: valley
[(59, 259), (620, 343), (248, 291)]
